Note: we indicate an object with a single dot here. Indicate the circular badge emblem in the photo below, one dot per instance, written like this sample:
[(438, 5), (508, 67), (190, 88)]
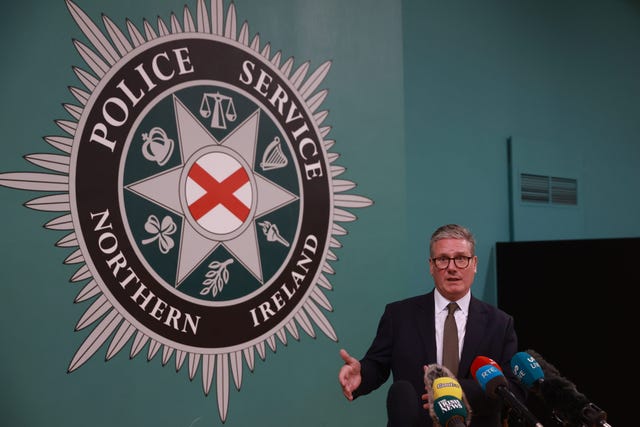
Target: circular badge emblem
[(200, 192)]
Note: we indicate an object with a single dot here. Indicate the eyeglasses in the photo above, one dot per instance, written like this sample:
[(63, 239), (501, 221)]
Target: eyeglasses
[(460, 261)]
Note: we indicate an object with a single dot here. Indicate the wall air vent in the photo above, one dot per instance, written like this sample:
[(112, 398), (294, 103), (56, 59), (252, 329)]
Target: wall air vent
[(534, 188), (548, 189), (564, 191)]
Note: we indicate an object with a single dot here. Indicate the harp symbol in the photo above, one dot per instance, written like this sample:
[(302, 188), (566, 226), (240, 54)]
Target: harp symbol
[(273, 156)]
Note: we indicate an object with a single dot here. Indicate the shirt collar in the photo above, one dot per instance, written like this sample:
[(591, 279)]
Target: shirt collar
[(441, 302)]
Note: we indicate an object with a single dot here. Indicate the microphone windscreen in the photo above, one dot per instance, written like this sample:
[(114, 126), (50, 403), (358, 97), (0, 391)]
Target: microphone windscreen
[(526, 368), (567, 403), (481, 361), (432, 373), (489, 377), (448, 409), (547, 368), (446, 386), (440, 382), (562, 395)]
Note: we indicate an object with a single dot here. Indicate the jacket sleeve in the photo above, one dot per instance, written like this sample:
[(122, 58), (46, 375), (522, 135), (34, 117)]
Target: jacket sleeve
[(376, 364)]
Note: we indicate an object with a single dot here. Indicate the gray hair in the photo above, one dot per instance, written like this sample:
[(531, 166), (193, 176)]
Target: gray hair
[(453, 231)]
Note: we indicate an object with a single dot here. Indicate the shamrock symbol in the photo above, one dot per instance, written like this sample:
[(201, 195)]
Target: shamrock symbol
[(160, 232)]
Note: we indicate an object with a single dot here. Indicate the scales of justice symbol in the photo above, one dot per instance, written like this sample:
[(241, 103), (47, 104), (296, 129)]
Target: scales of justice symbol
[(220, 113)]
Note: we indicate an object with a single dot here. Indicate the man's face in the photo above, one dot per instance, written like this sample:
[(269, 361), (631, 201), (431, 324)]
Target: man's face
[(453, 282)]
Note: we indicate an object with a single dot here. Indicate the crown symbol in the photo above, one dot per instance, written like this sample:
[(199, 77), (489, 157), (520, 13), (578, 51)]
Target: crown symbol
[(157, 146)]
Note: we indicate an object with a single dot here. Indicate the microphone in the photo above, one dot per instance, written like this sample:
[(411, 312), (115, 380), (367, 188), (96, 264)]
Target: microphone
[(450, 412), (528, 371), (448, 403), (494, 383), (480, 361), (446, 386), (561, 395)]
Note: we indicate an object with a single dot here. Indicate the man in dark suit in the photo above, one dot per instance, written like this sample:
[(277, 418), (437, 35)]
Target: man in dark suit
[(410, 337)]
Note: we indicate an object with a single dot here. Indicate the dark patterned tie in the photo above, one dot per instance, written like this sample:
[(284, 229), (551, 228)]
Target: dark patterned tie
[(450, 354)]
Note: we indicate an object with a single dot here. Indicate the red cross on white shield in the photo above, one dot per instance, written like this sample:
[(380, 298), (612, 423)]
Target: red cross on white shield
[(218, 192)]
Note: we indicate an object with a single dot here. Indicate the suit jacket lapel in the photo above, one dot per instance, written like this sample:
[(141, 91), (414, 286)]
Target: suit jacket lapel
[(476, 327), (425, 319)]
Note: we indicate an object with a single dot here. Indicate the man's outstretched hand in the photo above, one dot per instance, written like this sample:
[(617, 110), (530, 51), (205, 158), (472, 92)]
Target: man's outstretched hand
[(349, 375)]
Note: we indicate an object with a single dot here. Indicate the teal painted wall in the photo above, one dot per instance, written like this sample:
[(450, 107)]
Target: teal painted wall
[(297, 384), (422, 97), (560, 79)]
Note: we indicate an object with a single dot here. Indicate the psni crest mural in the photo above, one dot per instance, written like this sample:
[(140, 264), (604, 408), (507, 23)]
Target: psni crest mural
[(196, 182)]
